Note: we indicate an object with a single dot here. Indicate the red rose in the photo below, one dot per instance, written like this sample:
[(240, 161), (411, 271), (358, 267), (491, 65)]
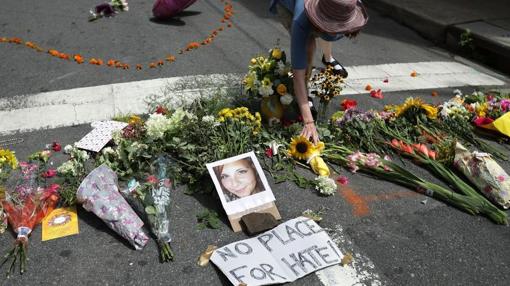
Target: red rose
[(161, 110), (56, 147), (377, 94), (152, 179), (348, 104), (479, 121), (269, 152), (342, 180), (50, 173)]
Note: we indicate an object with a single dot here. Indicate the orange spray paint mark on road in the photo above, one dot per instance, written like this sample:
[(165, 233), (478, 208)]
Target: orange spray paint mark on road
[(360, 202)]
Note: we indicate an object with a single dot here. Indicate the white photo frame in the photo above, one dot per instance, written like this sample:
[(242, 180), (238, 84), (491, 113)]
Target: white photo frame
[(233, 204)]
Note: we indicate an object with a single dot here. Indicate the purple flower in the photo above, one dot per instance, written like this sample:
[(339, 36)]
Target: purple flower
[(105, 9)]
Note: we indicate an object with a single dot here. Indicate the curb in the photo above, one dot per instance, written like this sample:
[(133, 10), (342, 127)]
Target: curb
[(429, 28), (484, 49)]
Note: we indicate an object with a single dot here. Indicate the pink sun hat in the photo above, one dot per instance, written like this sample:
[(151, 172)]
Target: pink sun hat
[(169, 8), (336, 16)]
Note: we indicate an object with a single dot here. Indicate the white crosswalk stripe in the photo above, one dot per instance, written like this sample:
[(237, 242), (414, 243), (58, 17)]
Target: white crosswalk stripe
[(361, 271), (87, 104)]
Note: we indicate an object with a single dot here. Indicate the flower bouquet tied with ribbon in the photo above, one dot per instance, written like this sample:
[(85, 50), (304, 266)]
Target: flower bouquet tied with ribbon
[(108, 9), (152, 200), (99, 193), (25, 204)]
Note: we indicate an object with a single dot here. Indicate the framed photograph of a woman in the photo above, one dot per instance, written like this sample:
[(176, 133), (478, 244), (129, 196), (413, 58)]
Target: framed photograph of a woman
[(240, 183)]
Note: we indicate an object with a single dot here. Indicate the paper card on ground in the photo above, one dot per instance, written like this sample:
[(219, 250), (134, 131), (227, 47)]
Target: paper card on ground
[(59, 223), (96, 139), (289, 251)]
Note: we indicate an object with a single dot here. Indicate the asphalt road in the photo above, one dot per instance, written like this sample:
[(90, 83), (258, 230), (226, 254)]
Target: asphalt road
[(404, 239)]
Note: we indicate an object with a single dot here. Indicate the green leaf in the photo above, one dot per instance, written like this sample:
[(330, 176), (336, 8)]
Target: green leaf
[(150, 210), (208, 218)]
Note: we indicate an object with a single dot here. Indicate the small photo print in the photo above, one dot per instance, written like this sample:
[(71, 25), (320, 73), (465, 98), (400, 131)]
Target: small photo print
[(240, 183)]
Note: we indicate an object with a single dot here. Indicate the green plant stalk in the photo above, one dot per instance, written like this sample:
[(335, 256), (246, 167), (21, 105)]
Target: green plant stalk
[(488, 208), (461, 202), (470, 204), (165, 251), (440, 170), (16, 254)]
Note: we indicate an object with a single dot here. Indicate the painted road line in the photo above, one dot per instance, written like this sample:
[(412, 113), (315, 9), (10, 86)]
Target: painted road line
[(82, 105), (360, 272), (431, 75), (87, 104)]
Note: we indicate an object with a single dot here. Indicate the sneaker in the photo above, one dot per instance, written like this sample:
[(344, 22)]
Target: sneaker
[(338, 69)]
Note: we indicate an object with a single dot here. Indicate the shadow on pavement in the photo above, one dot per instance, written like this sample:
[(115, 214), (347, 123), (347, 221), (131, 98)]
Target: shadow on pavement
[(175, 21), (93, 221)]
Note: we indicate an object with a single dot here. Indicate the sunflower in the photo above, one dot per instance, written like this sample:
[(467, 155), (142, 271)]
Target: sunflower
[(430, 110), (301, 148), (416, 103)]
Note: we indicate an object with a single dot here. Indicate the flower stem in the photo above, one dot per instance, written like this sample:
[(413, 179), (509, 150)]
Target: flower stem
[(165, 251)]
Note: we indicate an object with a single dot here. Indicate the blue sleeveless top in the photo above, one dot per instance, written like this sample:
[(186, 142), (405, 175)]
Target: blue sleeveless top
[(301, 31)]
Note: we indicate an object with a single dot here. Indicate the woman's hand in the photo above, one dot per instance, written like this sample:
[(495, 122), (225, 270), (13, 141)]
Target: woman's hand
[(310, 131)]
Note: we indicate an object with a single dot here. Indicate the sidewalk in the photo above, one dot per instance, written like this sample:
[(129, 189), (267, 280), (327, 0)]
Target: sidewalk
[(476, 28)]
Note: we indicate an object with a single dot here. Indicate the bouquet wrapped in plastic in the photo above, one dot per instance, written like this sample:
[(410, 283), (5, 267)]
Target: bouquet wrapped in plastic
[(99, 193), (485, 173), (152, 200), (25, 205)]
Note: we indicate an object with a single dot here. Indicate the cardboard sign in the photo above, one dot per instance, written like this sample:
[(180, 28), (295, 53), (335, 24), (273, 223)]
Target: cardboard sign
[(96, 139), (59, 223), (289, 251)]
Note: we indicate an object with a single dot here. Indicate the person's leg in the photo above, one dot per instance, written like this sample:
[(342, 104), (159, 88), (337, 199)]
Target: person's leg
[(329, 60), (326, 50)]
